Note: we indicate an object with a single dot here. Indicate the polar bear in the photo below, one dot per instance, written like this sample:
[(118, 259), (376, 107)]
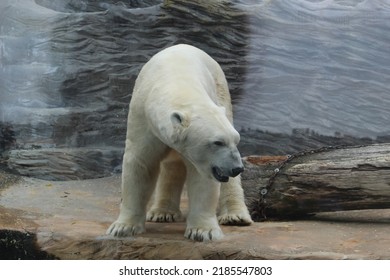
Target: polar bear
[(180, 131)]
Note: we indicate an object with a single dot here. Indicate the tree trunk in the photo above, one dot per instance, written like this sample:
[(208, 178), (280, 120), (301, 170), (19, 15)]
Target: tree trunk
[(328, 179)]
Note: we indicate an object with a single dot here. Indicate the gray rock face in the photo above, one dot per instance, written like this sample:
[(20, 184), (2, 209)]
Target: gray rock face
[(67, 69)]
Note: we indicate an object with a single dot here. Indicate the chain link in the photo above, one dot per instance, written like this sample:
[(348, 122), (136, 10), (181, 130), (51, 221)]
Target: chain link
[(262, 203)]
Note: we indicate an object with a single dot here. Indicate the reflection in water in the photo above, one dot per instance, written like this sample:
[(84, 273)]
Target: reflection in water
[(302, 74)]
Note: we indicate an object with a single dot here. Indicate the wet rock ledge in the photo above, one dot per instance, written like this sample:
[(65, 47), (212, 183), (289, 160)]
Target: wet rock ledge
[(68, 220)]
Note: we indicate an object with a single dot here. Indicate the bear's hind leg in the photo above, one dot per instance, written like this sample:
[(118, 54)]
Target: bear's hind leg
[(232, 209), (166, 205)]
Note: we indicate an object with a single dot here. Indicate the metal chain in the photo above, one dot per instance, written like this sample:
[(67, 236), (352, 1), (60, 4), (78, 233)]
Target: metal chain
[(261, 204)]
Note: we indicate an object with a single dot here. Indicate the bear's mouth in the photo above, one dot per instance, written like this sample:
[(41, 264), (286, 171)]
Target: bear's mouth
[(218, 174)]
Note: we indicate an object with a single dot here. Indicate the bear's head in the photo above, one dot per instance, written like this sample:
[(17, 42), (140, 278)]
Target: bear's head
[(209, 141)]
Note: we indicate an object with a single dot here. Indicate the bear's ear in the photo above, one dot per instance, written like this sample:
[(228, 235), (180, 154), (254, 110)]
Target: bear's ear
[(179, 125), (178, 118)]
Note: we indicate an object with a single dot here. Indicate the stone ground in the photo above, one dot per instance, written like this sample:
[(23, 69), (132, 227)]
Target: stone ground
[(68, 220)]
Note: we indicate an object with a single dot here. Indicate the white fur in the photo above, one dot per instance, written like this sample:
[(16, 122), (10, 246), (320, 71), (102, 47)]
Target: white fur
[(179, 108)]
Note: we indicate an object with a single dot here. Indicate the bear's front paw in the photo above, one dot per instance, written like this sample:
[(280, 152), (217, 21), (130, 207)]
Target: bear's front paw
[(239, 218), (161, 215), (203, 234), (120, 229)]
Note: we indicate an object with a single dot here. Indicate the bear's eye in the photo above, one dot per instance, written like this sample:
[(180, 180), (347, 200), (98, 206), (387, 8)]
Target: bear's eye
[(219, 143)]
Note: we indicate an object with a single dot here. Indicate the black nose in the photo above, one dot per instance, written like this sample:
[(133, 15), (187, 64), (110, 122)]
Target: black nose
[(237, 171)]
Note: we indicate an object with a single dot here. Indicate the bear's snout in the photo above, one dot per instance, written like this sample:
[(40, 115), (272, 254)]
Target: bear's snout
[(219, 174), (236, 171), (223, 176)]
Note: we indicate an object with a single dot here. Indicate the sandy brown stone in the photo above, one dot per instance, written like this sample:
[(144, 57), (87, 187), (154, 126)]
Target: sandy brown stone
[(70, 219)]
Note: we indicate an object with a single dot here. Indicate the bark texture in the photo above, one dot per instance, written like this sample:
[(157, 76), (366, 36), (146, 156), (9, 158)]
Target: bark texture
[(329, 179)]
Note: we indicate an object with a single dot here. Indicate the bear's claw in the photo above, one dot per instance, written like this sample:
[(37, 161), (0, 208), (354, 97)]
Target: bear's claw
[(239, 219), (199, 234), (163, 216), (119, 229)]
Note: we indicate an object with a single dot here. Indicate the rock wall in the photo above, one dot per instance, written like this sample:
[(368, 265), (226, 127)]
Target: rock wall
[(68, 69), (302, 75)]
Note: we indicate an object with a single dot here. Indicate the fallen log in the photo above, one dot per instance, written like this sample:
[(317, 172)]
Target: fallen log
[(324, 180)]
